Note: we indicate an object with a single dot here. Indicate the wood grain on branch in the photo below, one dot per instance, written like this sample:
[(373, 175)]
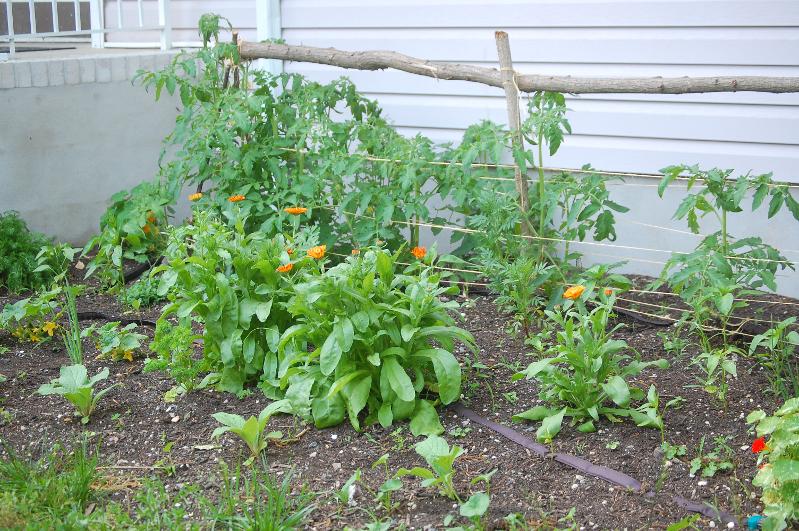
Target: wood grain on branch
[(379, 60)]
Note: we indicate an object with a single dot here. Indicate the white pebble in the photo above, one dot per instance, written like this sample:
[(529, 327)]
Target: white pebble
[(701, 483), (730, 525), (334, 436)]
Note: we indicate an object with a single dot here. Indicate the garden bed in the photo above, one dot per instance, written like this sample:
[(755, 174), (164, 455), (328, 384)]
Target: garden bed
[(141, 435)]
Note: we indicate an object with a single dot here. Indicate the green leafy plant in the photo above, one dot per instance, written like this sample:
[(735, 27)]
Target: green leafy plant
[(712, 278), (251, 430), (778, 456), (777, 351), (18, 250), (717, 460), (390, 484), (75, 385), (115, 342), (131, 229), (230, 283), (142, 294), (33, 318), (585, 370), (441, 460), (174, 346), (382, 342)]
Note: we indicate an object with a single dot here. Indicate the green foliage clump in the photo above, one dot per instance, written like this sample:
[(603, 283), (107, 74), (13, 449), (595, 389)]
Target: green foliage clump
[(131, 229), (382, 342), (778, 449), (142, 294), (19, 248), (585, 374), (173, 345), (229, 281)]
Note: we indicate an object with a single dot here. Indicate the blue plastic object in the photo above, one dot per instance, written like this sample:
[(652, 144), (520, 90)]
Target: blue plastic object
[(754, 521)]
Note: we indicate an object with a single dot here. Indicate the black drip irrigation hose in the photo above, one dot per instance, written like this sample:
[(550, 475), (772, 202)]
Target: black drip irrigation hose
[(586, 467)]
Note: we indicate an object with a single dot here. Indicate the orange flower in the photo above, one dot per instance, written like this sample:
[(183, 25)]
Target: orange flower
[(295, 211), (196, 197), (574, 292), (146, 229), (419, 252), (759, 445), (235, 198), (285, 268), (317, 252), (355, 251), (608, 292), (151, 217), (289, 252)]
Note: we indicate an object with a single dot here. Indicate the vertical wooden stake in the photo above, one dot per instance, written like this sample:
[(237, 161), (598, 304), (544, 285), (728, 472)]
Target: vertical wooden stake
[(514, 122)]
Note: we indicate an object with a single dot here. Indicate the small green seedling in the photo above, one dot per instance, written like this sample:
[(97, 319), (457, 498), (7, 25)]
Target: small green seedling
[(717, 460), (391, 484), (441, 459), (251, 430), (75, 385), (115, 342)]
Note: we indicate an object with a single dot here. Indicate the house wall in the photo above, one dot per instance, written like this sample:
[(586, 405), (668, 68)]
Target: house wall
[(625, 132), (75, 131)]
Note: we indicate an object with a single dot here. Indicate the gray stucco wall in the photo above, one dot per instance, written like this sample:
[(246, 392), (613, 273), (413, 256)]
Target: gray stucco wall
[(66, 148)]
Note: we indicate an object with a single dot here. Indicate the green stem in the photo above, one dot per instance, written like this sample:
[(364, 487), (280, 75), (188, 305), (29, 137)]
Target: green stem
[(541, 211), (724, 231)]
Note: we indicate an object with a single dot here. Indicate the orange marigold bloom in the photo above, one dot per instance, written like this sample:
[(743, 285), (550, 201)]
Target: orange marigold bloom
[(295, 211), (759, 445), (317, 252), (608, 292), (151, 217), (289, 252), (235, 198), (355, 251), (285, 268), (196, 197), (146, 229), (574, 292), (419, 252)]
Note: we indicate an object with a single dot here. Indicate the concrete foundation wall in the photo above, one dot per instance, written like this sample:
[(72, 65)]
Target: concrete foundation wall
[(65, 149)]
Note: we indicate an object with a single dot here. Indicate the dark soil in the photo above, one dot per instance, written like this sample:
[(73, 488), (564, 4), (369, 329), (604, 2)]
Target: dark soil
[(141, 435)]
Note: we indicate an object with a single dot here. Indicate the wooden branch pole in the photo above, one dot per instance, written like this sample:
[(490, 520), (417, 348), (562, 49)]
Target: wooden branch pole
[(379, 60), (514, 122)]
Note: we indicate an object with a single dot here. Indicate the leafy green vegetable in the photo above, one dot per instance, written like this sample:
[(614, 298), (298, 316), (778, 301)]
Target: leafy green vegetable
[(74, 385)]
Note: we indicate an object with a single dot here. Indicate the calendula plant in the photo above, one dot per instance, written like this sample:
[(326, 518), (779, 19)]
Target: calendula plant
[(585, 373), (131, 229), (142, 294), (115, 342), (235, 284), (75, 385), (777, 447), (775, 349), (382, 343), (251, 430)]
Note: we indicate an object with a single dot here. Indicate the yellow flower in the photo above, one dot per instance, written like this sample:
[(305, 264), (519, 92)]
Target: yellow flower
[(285, 268), (574, 292), (128, 355), (34, 337), (49, 327), (317, 252), (419, 252), (196, 197), (235, 198), (295, 211)]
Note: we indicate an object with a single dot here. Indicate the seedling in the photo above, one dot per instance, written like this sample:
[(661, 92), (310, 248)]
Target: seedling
[(251, 430), (719, 459), (74, 385), (441, 459)]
